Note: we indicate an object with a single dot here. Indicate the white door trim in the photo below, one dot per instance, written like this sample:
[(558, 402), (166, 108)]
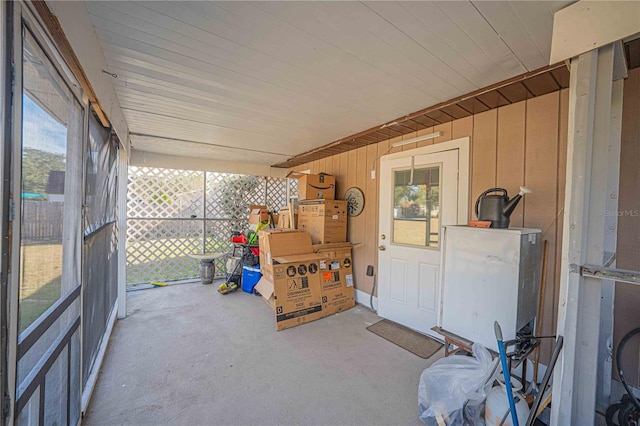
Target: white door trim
[(462, 145)]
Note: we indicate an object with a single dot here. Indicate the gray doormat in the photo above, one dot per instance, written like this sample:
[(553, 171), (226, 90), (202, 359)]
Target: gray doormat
[(416, 343)]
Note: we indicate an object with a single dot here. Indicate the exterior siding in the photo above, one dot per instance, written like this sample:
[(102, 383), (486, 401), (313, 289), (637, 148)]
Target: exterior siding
[(519, 144), (627, 299)]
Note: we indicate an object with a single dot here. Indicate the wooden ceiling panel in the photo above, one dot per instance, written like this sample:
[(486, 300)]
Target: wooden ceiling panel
[(407, 126), (493, 99), (473, 105), (392, 131), (424, 120), (350, 144), (541, 84), (478, 38), (360, 142), (378, 135), (455, 111), (526, 27), (417, 125), (515, 92), (368, 138), (439, 116), (632, 49), (561, 75)]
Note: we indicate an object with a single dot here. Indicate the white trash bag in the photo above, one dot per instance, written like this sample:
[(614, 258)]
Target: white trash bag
[(455, 383)]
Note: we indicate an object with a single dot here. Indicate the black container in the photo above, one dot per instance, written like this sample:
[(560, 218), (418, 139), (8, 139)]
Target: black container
[(250, 259), (497, 208)]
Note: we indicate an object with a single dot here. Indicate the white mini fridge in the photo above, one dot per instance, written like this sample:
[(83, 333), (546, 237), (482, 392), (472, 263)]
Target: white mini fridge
[(489, 275)]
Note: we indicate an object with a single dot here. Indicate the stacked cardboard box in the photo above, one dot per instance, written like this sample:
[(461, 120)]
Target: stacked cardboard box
[(260, 214), (294, 292), (288, 220), (325, 220), (301, 282), (280, 242), (312, 187), (315, 189), (336, 277)]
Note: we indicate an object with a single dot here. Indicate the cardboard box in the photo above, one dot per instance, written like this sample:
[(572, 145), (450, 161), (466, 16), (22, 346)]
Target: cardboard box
[(283, 223), (280, 242), (336, 277), (294, 294), (313, 187), (285, 218), (258, 214), (266, 289), (325, 220)]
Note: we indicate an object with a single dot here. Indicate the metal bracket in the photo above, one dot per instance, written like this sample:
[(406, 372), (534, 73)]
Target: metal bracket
[(621, 275)]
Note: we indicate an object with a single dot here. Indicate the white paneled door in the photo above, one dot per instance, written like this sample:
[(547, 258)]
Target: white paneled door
[(419, 194)]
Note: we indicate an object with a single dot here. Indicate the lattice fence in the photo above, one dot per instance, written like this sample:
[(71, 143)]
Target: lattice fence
[(172, 213), (165, 193), (276, 192)]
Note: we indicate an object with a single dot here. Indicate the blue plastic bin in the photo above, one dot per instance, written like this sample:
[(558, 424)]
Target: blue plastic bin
[(250, 277)]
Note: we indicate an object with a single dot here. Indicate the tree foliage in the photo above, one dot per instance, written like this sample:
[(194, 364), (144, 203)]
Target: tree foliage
[(36, 165), (235, 195)]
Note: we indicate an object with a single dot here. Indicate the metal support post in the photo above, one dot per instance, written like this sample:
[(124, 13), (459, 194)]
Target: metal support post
[(123, 173), (591, 188)]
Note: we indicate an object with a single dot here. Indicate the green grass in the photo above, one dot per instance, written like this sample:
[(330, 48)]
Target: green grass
[(37, 303), (161, 259), (413, 232), (41, 270), (40, 281)]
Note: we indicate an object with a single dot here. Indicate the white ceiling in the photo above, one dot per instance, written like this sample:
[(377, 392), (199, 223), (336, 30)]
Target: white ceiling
[(263, 81)]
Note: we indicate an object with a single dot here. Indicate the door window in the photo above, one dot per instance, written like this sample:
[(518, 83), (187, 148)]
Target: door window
[(416, 206)]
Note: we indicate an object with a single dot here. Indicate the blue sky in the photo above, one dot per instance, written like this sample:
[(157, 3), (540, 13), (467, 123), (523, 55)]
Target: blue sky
[(40, 130)]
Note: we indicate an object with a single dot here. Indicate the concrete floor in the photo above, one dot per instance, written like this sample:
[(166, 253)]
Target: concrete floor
[(186, 355)]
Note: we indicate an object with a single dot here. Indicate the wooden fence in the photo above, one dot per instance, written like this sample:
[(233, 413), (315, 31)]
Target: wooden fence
[(41, 220)]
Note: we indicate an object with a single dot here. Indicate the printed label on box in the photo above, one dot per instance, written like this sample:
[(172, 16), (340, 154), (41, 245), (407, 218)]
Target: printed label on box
[(349, 279), (291, 271), (331, 286), (298, 284), (323, 264), (331, 276), (334, 265), (286, 316)]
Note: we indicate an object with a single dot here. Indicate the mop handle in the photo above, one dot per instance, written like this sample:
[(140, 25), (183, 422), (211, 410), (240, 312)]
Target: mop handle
[(505, 372)]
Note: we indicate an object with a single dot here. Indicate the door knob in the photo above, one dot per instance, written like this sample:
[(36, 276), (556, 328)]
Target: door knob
[(382, 248)]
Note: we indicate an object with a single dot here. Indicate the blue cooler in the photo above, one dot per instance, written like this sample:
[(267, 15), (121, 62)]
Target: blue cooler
[(250, 277)]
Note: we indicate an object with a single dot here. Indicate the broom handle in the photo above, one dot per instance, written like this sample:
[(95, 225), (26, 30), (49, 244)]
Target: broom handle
[(506, 372), (543, 285)]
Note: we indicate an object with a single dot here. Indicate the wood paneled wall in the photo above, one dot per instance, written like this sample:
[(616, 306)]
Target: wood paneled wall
[(519, 144), (627, 299)]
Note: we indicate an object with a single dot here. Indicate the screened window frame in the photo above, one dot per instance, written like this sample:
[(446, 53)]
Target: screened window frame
[(25, 20)]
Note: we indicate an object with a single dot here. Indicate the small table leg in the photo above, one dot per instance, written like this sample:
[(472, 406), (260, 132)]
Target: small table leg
[(453, 346)]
